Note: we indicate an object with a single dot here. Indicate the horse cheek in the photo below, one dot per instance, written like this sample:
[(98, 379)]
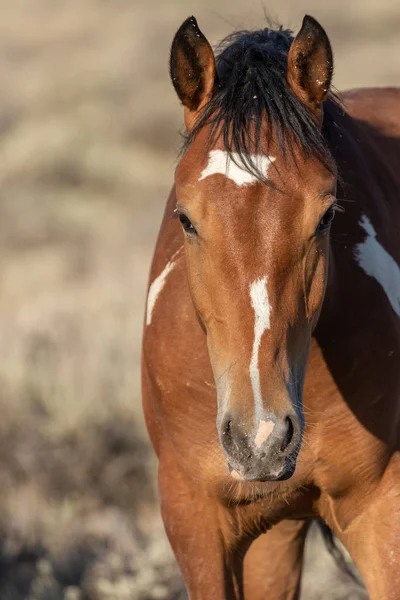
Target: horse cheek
[(314, 284)]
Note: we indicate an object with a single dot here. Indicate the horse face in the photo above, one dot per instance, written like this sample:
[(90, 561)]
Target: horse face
[(256, 247), (257, 259)]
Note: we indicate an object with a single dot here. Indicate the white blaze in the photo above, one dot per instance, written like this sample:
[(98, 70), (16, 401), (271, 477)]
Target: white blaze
[(262, 311), (219, 162), (377, 262)]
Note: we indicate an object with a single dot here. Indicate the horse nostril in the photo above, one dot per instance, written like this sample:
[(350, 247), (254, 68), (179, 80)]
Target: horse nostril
[(226, 428), (289, 434), (229, 442)]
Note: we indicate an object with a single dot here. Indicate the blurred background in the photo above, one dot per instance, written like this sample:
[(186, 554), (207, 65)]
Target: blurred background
[(89, 134)]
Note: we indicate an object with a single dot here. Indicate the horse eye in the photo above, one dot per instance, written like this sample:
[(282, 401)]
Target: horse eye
[(326, 220), (186, 224)]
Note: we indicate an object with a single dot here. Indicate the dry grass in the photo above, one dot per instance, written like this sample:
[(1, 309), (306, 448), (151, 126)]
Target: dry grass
[(88, 126)]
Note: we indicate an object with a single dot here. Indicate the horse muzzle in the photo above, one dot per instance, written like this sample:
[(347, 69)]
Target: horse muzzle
[(267, 453)]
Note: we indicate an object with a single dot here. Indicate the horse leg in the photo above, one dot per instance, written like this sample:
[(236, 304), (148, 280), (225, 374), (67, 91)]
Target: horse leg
[(201, 535), (273, 563), (373, 537)]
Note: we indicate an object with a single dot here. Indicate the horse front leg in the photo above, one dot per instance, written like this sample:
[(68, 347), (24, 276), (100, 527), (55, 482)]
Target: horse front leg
[(202, 536), (274, 562), (373, 536)]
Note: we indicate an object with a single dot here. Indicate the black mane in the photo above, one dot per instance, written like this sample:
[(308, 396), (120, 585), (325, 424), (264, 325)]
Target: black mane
[(252, 87)]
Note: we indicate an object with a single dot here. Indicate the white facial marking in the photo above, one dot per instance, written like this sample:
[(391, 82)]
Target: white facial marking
[(262, 311), (265, 429), (236, 476), (377, 262), (219, 162), (157, 286)]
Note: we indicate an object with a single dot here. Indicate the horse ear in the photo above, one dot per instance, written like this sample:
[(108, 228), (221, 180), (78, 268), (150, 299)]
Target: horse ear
[(310, 65), (192, 69)]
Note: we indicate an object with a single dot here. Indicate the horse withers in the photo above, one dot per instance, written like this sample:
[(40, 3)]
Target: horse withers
[(272, 335)]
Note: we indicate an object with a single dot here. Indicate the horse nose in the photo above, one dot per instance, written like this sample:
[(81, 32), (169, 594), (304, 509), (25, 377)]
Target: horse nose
[(266, 453)]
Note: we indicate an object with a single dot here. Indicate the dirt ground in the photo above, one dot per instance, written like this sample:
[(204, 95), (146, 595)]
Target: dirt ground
[(88, 126)]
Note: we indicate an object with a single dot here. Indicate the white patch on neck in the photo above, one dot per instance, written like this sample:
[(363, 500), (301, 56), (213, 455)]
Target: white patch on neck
[(157, 286), (262, 311), (219, 162), (377, 262)]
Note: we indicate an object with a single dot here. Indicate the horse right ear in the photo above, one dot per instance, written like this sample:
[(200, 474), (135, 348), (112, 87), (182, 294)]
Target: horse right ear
[(192, 69)]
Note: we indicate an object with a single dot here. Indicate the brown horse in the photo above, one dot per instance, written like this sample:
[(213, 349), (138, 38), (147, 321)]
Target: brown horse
[(271, 350)]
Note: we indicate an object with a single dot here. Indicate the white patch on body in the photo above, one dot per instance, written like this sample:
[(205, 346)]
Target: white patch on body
[(262, 311), (219, 162), (377, 263), (265, 429), (157, 286)]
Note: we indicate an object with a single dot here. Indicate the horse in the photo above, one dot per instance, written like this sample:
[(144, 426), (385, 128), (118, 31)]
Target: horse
[(271, 345)]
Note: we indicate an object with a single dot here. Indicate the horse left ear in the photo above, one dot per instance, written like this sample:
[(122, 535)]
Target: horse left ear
[(310, 65), (192, 69)]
